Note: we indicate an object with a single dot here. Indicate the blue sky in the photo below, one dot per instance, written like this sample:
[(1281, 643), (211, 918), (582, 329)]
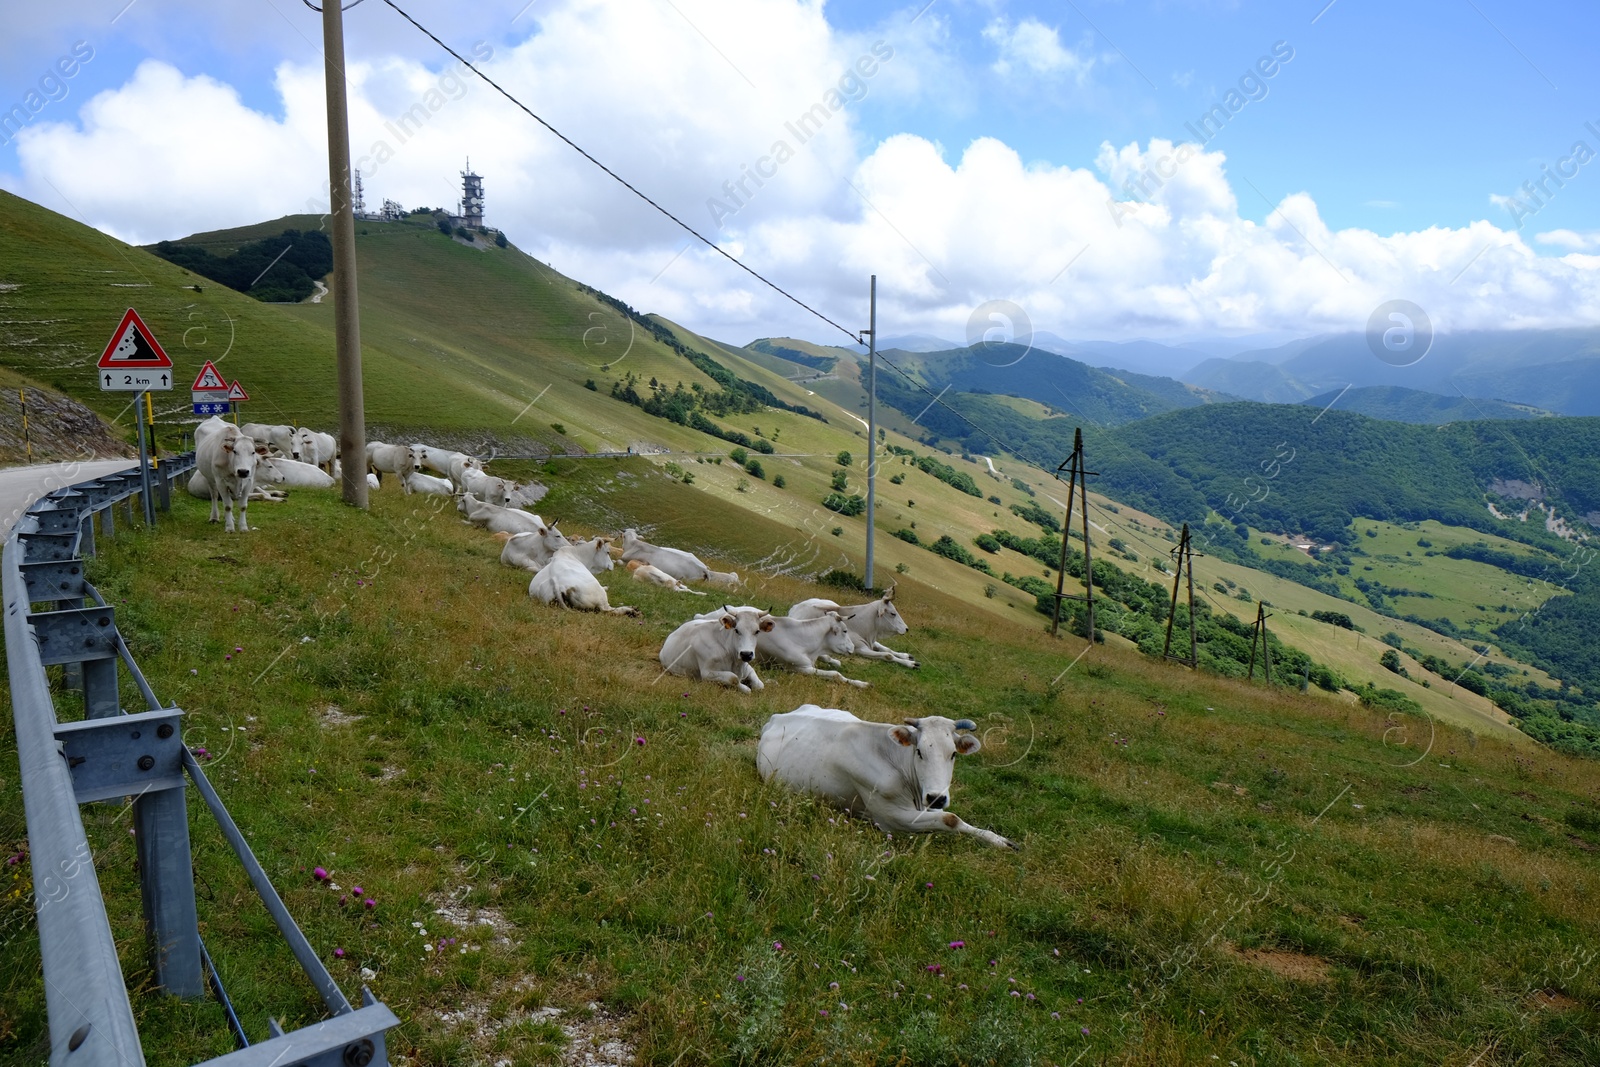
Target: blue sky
[(1379, 148)]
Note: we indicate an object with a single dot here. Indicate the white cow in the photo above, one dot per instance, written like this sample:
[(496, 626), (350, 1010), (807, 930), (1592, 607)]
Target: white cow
[(316, 448), (896, 775), (868, 622), (799, 643), (267, 473), (530, 551), (392, 459), (644, 572), (435, 459), (280, 437), (417, 482), (228, 461), (296, 474), (486, 487), (460, 462), (685, 566), (567, 581), (205, 429), (720, 649), (497, 519)]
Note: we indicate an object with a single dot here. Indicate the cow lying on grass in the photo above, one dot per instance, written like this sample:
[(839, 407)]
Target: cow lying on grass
[(719, 649), (868, 623), (896, 775), (567, 580)]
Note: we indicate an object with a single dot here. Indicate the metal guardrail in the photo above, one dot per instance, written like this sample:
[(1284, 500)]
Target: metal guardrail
[(111, 754)]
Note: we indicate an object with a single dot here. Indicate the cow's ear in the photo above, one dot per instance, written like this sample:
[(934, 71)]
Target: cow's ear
[(888, 594), (766, 624), (967, 744), (904, 736), (729, 622)]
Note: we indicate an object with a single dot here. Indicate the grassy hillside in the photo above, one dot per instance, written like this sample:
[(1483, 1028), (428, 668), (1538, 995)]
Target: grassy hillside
[(473, 345), (1208, 869)]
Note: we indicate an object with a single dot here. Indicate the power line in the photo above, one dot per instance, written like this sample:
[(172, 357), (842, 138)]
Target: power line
[(702, 239)]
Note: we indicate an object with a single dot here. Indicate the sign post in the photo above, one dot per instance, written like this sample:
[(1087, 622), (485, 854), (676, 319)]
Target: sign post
[(133, 362)]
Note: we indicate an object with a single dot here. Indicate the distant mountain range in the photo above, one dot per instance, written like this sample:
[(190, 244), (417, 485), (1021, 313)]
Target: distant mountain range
[(1552, 370)]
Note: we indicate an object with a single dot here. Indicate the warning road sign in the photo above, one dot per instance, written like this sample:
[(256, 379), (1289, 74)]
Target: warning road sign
[(209, 380), (236, 393), (133, 361)]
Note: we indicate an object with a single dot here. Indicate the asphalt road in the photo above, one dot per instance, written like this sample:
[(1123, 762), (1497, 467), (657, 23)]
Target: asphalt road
[(21, 486)]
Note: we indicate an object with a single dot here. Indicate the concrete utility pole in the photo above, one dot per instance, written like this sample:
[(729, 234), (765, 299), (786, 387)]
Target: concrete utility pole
[(347, 315), (872, 422)]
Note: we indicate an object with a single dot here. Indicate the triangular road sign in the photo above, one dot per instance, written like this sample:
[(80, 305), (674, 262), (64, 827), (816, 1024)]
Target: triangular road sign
[(133, 347), (209, 379), (236, 393)]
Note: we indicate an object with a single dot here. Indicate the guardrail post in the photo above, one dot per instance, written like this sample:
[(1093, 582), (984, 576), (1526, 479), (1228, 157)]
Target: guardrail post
[(86, 534), (108, 521), (166, 884), (100, 689)]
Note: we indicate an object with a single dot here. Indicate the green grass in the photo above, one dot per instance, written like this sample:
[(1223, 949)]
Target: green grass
[(1170, 822)]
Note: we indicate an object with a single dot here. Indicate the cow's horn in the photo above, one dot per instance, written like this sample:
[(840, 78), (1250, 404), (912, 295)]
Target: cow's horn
[(966, 724)]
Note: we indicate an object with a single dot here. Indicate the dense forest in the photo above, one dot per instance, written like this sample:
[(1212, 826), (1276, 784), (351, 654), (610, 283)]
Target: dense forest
[(277, 269)]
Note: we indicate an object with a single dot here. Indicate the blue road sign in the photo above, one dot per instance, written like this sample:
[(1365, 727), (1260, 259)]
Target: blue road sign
[(216, 408)]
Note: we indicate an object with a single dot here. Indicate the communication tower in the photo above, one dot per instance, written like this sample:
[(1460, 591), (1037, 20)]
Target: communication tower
[(471, 198)]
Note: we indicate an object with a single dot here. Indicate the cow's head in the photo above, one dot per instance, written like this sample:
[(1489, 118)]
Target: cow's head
[(415, 457), (742, 626), (837, 641), (267, 471), (243, 454), (601, 547), (936, 741), (889, 615), (554, 538)]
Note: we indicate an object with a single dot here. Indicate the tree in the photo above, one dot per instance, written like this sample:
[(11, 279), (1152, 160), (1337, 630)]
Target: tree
[(844, 459), (1390, 661), (840, 481), (500, 239)]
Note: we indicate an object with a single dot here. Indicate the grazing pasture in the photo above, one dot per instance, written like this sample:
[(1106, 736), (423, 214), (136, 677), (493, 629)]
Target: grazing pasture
[(1207, 869)]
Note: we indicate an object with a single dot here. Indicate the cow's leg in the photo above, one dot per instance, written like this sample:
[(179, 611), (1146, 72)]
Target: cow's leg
[(214, 515), (244, 509), (749, 677), (227, 505), (902, 658), (727, 678), (830, 661), (929, 822), (837, 677)]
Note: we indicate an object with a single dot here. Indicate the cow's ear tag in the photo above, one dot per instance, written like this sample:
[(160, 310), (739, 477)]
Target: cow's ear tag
[(966, 744), (903, 736), (766, 626), (729, 622)]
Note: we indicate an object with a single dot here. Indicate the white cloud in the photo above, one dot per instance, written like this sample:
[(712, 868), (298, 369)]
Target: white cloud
[(1571, 239), (1031, 46), (167, 154)]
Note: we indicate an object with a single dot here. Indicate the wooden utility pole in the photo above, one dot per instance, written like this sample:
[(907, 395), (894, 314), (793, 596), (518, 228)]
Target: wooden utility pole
[(1260, 627), (872, 420), (346, 314), (1184, 554), (1077, 487)]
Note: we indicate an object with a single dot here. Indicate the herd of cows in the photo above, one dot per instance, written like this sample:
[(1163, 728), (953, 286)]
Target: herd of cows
[(897, 775)]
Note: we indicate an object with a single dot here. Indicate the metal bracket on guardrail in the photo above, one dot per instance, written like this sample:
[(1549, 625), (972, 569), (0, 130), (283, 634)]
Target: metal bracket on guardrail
[(48, 547), (123, 756), (52, 583), (73, 635)]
